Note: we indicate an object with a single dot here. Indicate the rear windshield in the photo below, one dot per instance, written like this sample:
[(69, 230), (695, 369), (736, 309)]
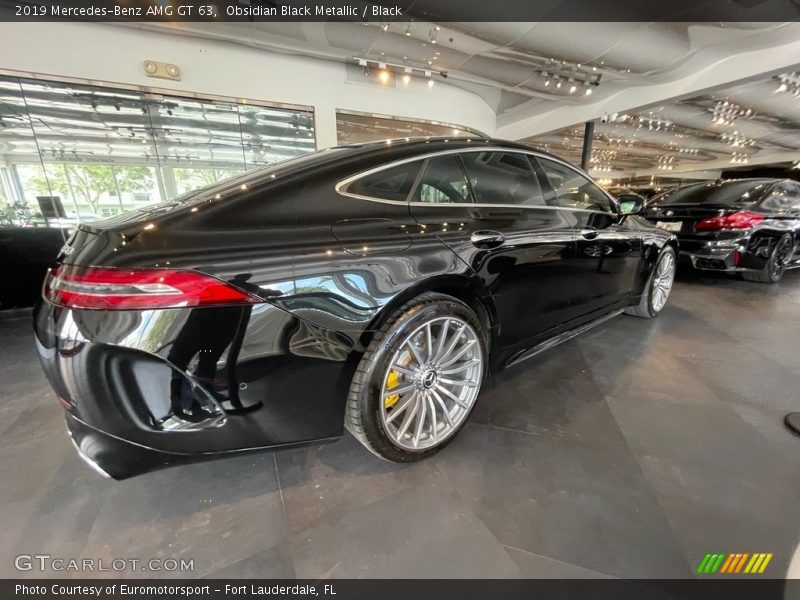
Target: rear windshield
[(728, 193)]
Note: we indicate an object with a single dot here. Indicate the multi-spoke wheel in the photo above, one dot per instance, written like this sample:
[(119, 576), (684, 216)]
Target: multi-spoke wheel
[(658, 286), (776, 265), (662, 281), (418, 380)]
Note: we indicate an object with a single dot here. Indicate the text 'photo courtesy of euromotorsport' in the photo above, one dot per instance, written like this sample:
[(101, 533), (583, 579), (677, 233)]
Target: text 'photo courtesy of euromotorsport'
[(414, 299)]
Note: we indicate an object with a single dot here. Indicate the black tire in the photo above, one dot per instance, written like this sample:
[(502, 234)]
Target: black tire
[(773, 270), (645, 308), (362, 416)]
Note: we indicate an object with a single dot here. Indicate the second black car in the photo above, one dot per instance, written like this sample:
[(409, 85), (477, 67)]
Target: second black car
[(749, 226)]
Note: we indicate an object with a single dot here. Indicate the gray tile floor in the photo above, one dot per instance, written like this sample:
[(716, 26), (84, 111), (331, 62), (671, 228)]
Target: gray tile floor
[(630, 452)]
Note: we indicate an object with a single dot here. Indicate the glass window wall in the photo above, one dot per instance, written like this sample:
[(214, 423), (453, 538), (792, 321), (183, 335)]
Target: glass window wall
[(73, 153), (356, 128)]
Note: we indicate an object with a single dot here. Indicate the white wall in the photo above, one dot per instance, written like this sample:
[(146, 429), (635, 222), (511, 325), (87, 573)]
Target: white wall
[(115, 54)]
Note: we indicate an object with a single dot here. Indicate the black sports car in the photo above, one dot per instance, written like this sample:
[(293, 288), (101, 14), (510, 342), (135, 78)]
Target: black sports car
[(751, 226), (371, 287)]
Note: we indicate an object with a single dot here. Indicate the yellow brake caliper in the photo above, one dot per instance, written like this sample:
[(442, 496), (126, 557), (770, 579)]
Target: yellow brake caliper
[(392, 379)]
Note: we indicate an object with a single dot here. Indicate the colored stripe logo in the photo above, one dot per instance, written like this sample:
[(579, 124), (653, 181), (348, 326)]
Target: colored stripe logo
[(735, 562)]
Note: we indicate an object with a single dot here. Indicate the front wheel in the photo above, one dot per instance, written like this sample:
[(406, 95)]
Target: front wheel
[(773, 271), (418, 380), (658, 287)]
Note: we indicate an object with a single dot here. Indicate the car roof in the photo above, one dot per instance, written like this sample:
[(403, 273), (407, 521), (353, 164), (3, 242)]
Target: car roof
[(752, 180), (703, 191), (365, 155), (435, 144)]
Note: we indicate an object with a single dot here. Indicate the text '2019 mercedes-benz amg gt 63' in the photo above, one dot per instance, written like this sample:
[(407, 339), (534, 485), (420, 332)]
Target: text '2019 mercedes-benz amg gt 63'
[(747, 226), (371, 287)]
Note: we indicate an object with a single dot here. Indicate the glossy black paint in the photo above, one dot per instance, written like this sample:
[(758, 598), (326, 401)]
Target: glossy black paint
[(149, 388), (778, 200)]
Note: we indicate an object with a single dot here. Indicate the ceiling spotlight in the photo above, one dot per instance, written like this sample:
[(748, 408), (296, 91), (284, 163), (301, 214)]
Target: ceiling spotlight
[(572, 88), (588, 91), (781, 88), (430, 83), (406, 79), (546, 83), (558, 83), (408, 29), (383, 76)]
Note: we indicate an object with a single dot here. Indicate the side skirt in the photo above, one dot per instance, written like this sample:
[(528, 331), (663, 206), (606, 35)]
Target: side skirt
[(560, 339)]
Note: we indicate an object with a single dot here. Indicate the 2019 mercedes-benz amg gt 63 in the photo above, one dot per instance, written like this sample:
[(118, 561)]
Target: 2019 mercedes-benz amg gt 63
[(372, 287), (749, 226)]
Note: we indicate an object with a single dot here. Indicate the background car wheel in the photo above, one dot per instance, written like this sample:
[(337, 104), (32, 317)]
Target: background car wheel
[(419, 379), (658, 286), (773, 271)]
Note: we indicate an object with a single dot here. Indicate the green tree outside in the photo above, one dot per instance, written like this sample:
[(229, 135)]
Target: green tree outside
[(91, 182)]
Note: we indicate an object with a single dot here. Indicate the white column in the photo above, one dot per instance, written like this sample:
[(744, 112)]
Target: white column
[(325, 126)]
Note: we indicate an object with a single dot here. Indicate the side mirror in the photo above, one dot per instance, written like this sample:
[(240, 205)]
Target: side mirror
[(630, 205)]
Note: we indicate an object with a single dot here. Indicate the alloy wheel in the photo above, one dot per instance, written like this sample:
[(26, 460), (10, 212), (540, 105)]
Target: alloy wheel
[(662, 281), (431, 383), (780, 258)]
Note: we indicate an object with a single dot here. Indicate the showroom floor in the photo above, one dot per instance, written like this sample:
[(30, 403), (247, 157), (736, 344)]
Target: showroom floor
[(630, 452)]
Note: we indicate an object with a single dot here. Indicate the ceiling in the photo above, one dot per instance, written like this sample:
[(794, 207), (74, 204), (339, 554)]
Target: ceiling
[(511, 65), (749, 123), (541, 76)]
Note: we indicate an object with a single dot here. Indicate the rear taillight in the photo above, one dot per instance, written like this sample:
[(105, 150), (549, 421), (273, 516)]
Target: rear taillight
[(130, 289), (737, 220)]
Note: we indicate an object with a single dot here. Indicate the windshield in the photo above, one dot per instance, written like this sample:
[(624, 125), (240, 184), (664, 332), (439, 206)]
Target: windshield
[(728, 193)]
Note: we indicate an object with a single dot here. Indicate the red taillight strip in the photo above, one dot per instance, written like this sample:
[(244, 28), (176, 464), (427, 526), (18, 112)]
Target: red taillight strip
[(738, 220), (132, 289)]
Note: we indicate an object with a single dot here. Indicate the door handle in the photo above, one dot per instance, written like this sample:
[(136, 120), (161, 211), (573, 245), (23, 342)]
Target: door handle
[(589, 233), (487, 239)]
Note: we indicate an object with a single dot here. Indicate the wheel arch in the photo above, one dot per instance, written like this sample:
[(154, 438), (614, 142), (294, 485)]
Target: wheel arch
[(761, 244), (650, 252), (469, 290)]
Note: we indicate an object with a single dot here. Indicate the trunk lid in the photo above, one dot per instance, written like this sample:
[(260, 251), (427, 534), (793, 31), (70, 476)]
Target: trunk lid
[(682, 219)]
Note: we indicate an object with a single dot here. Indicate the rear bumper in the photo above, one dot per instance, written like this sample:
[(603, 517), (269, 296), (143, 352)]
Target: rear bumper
[(716, 259), (730, 255), (149, 389), (116, 458)]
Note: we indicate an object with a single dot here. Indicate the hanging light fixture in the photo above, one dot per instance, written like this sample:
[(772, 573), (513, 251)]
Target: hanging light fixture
[(383, 73)]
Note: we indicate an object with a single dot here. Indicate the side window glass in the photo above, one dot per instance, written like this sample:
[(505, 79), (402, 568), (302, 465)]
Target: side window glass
[(443, 182), (780, 198), (502, 178), (574, 190), (794, 192), (393, 183)]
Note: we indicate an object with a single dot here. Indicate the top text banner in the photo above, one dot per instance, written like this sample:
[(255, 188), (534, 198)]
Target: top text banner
[(438, 11)]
